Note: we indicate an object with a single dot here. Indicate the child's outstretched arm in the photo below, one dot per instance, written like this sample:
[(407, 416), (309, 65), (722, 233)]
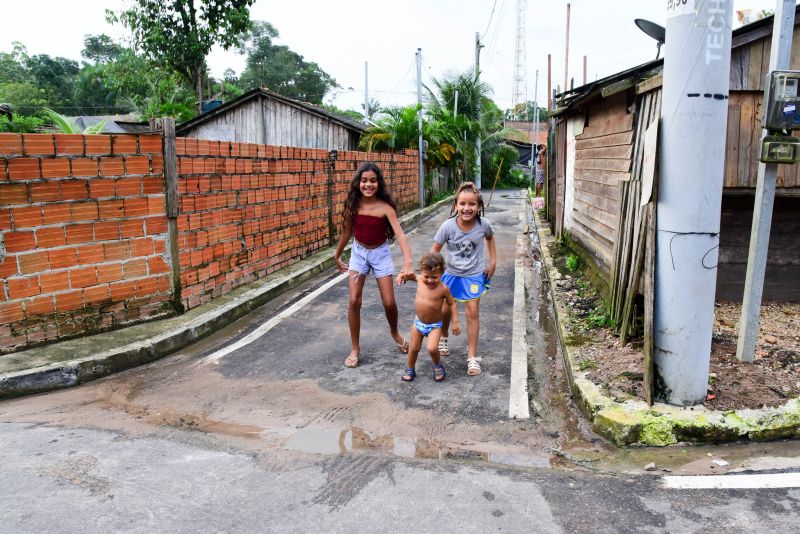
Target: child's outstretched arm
[(347, 233), (401, 240), (492, 265), (405, 277), (455, 326)]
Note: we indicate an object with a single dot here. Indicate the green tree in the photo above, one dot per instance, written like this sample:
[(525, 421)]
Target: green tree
[(280, 69), (101, 48), (179, 34), (526, 112)]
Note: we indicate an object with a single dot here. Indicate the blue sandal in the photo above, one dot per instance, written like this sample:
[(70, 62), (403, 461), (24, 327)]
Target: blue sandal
[(411, 373), (438, 376)]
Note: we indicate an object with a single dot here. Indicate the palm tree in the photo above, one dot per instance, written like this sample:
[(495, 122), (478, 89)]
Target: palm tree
[(67, 125)]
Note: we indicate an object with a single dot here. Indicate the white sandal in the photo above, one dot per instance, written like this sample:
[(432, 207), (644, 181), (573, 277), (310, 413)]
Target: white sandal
[(443, 350), (473, 367)]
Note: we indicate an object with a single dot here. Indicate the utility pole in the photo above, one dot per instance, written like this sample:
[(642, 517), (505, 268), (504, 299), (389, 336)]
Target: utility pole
[(779, 59), (478, 47), (694, 115), (534, 129), (549, 85), (419, 124), (566, 54), (366, 92), (455, 105), (584, 70)]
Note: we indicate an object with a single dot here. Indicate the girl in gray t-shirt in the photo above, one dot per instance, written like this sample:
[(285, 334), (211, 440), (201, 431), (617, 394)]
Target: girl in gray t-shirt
[(467, 273)]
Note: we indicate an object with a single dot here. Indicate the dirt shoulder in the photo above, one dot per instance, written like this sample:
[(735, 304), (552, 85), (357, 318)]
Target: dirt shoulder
[(771, 380)]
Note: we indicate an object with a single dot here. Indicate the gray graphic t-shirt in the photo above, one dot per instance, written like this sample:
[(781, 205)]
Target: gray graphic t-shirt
[(463, 251)]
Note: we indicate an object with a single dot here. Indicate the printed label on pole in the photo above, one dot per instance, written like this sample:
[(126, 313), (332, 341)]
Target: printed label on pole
[(676, 8)]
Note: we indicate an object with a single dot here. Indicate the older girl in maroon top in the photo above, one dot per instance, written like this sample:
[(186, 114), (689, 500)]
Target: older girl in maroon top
[(370, 217)]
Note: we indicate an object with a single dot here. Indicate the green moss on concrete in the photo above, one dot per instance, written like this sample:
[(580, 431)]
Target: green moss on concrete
[(615, 424), (657, 430)]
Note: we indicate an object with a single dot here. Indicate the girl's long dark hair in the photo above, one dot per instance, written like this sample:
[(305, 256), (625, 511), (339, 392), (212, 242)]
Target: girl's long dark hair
[(471, 188), (353, 201)]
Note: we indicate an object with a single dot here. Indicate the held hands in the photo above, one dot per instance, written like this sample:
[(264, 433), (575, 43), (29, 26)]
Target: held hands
[(489, 271), (405, 276), (456, 328)]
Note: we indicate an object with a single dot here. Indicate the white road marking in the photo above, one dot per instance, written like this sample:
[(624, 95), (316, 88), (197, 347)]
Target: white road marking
[(759, 481), (274, 321), (518, 407)]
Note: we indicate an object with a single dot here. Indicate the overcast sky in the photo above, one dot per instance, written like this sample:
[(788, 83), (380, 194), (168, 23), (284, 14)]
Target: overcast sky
[(340, 35)]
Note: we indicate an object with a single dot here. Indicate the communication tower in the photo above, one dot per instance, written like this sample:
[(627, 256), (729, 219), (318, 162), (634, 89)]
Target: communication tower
[(520, 96)]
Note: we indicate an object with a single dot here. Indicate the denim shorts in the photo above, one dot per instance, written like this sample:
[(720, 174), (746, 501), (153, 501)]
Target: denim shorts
[(378, 260)]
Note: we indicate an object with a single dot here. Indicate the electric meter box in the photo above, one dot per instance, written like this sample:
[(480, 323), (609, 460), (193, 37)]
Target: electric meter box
[(782, 101), (780, 149)]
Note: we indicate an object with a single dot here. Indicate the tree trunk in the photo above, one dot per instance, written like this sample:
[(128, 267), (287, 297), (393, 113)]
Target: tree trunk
[(198, 84)]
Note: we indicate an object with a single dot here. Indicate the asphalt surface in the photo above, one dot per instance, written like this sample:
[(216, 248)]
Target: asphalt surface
[(278, 436)]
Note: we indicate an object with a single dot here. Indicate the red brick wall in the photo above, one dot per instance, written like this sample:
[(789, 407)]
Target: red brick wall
[(83, 233), (247, 210)]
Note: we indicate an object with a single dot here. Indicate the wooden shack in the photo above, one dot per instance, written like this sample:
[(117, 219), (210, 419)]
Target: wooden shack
[(596, 161), (261, 116)]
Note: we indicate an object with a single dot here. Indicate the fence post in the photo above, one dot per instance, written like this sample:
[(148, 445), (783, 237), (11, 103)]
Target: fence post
[(167, 127), (332, 155)]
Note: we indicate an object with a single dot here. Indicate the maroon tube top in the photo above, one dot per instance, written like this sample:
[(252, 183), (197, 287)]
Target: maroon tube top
[(370, 230)]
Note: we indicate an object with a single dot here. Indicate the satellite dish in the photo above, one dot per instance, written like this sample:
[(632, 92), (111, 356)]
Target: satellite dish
[(653, 30)]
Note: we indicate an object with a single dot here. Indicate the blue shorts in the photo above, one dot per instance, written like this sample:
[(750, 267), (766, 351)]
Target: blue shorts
[(464, 288), (378, 260), (426, 328)]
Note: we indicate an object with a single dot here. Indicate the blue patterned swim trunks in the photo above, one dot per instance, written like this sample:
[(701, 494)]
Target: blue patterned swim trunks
[(426, 328)]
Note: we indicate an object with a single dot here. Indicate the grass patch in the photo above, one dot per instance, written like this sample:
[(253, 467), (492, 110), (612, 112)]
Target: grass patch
[(587, 363), (573, 262)]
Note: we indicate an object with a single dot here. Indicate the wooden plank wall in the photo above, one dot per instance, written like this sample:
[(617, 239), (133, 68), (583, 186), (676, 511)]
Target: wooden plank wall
[(285, 126), (750, 62), (741, 152), (602, 162)]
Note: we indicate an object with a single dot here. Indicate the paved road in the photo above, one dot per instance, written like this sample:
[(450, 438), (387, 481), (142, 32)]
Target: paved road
[(278, 436)]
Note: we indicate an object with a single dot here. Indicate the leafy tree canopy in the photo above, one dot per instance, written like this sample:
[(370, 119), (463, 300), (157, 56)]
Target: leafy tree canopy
[(280, 69), (179, 34)]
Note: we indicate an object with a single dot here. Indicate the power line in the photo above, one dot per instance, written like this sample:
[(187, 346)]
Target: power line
[(490, 18)]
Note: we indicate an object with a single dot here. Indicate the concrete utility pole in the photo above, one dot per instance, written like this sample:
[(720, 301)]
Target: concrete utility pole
[(779, 59), (478, 47), (534, 129), (584, 70), (419, 124), (694, 114), (366, 92), (455, 105)]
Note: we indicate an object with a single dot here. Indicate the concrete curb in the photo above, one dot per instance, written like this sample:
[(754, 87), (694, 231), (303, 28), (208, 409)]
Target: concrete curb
[(219, 314), (633, 422)]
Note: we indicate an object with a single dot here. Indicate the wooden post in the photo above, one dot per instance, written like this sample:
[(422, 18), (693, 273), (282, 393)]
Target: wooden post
[(649, 282), (566, 54), (172, 202), (549, 85), (332, 155)]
